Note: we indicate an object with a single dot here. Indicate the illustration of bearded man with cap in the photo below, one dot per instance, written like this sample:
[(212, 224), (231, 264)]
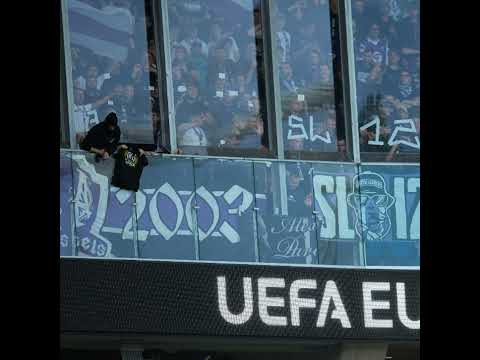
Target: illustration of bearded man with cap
[(371, 201)]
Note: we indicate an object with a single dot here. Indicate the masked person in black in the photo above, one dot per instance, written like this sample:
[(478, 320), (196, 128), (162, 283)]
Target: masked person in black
[(299, 193), (103, 138), (129, 164)]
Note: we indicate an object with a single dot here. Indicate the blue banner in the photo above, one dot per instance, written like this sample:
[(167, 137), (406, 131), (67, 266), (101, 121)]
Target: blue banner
[(164, 203), (332, 214), (338, 242), (66, 192), (390, 210), (91, 202), (287, 227), (225, 200)]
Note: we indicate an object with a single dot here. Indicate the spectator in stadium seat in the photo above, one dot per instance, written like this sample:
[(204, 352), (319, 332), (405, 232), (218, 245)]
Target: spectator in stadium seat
[(129, 101), (288, 84), (329, 130), (360, 18), (283, 38), (136, 75), (191, 36), (374, 48), (386, 113), (143, 78), (244, 91), (342, 150), (179, 83), (85, 115), (295, 16), (190, 101), (324, 137), (116, 77), (391, 75), (304, 42), (191, 132), (216, 36), (369, 84), (405, 93), (92, 94), (300, 198), (387, 23), (117, 97), (223, 108), (311, 70), (248, 66), (326, 76), (219, 66), (75, 56), (247, 131), (180, 58), (81, 58), (92, 71), (409, 30), (198, 64)]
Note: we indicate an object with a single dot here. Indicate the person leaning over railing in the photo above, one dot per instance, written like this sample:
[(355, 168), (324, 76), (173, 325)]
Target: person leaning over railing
[(103, 138)]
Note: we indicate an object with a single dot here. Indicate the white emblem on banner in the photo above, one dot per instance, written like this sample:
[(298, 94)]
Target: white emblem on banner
[(371, 201)]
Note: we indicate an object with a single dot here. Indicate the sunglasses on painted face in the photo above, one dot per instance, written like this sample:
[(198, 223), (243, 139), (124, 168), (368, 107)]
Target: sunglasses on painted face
[(379, 200)]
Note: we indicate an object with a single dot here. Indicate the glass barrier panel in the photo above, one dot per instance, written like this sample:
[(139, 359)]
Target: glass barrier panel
[(218, 75), (336, 215), (285, 221), (164, 207), (104, 215), (310, 79), (67, 231), (224, 198), (387, 70), (390, 205), (114, 67)]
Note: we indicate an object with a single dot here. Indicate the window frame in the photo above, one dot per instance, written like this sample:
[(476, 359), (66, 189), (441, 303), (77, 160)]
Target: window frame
[(363, 156)]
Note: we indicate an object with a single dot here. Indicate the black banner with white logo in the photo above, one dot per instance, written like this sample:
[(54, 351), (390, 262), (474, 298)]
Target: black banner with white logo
[(171, 298)]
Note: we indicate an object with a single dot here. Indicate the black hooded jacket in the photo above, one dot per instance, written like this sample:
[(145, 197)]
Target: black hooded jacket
[(100, 137)]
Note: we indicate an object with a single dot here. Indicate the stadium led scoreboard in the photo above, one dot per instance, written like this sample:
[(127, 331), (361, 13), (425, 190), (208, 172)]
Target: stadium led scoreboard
[(222, 299)]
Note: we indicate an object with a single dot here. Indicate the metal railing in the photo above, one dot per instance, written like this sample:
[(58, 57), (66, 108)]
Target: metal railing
[(242, 210)]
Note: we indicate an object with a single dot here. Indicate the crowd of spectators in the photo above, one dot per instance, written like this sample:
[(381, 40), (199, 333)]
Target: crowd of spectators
[(217, 72), (127, 86), (306, 36), (387, 60)]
